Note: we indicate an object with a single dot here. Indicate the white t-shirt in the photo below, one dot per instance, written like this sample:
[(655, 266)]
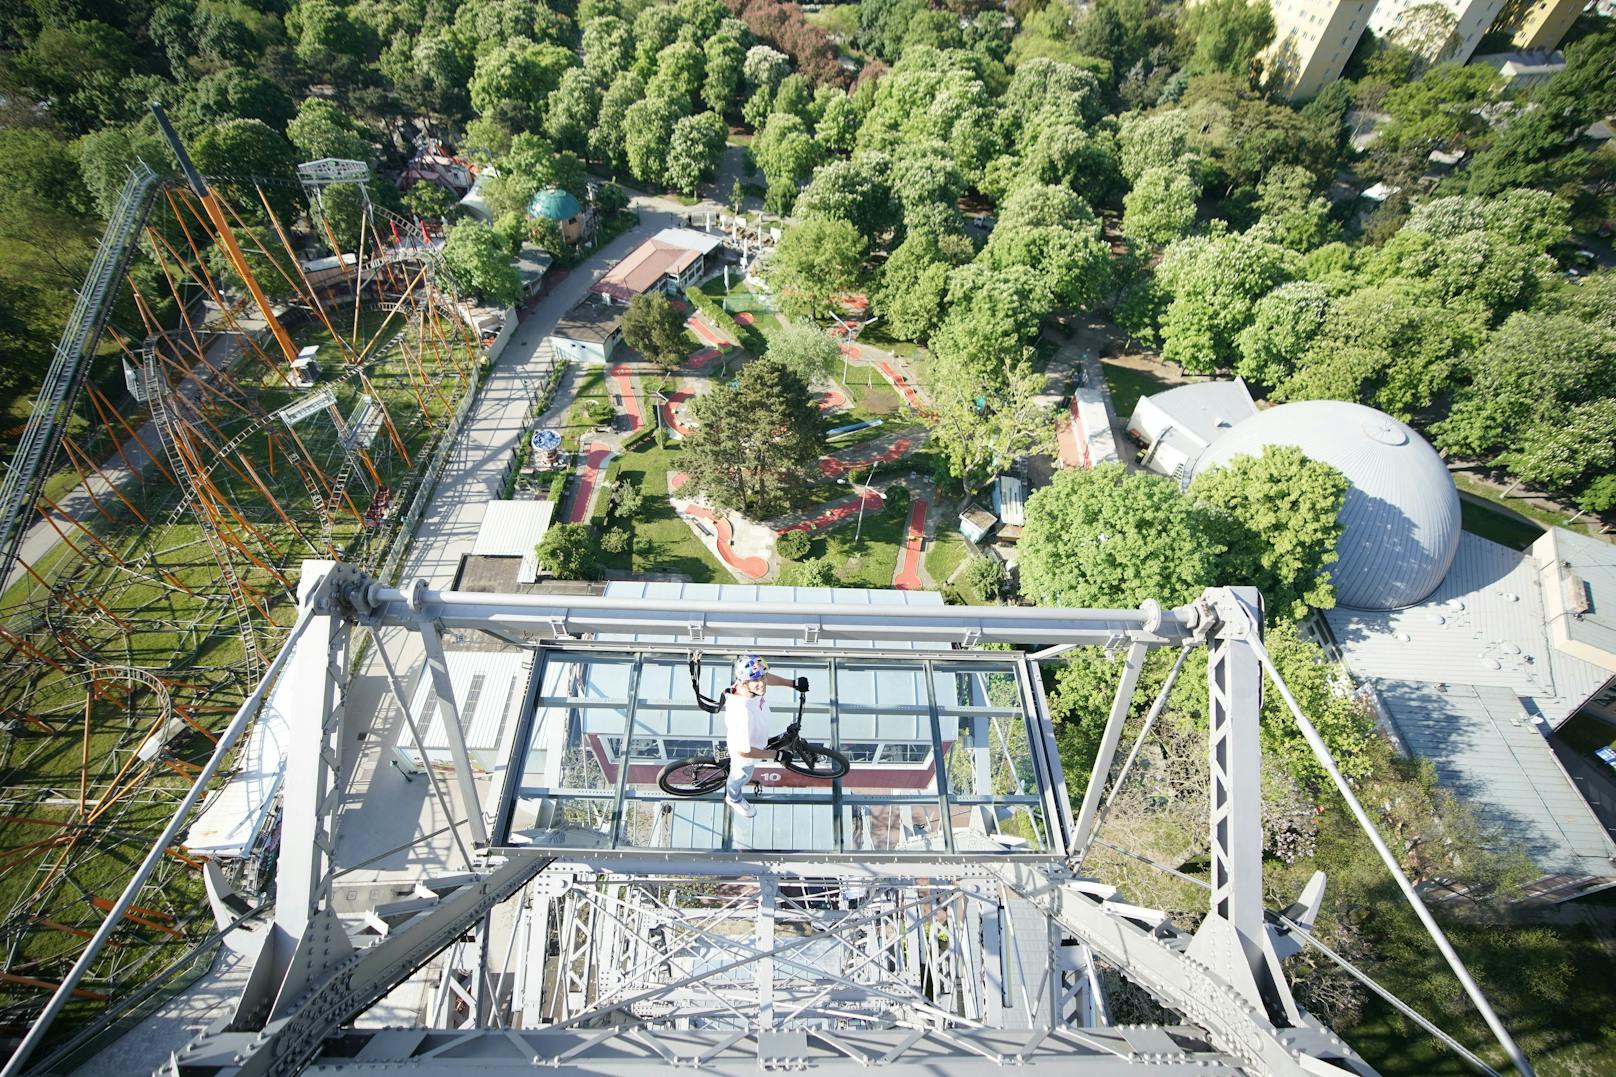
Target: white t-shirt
[(746, 722)]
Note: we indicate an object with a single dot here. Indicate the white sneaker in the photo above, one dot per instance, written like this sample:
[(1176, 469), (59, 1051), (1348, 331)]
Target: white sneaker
[(741, 807)]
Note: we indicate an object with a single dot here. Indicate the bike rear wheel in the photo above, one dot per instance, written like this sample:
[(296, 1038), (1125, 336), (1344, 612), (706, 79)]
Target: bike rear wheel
[(814, 761), (693, 777)]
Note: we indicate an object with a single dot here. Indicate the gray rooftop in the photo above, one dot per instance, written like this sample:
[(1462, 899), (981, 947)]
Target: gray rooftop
[(1483, 626), (1486, 749), (1593, 562), (1205, 410), (590, 321)]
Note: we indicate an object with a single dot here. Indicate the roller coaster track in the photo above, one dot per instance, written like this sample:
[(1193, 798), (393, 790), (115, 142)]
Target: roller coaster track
[(157, 399), (41, 439)]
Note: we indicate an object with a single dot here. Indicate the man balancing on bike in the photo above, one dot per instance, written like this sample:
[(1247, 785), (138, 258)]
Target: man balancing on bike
[(746, 725)]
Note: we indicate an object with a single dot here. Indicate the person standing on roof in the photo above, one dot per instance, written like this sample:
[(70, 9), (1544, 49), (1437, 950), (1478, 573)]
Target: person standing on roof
[(746, 725)]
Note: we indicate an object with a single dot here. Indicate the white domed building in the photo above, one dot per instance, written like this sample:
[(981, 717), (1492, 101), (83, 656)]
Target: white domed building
[(1471, 651), (1400, 519)]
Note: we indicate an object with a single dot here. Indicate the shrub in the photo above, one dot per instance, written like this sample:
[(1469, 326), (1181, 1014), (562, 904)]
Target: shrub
[(818, 572), (897, 505), (626, 499), (793, 545), (985, 576), (599, 412), (558, 486), (614, 541), (715, 312), (568, 552)]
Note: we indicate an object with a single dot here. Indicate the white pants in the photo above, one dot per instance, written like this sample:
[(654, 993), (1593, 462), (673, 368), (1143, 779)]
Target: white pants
[(740, 772)]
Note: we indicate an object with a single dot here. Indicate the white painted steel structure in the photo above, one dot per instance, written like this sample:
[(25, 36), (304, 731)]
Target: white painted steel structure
[(595, 949)]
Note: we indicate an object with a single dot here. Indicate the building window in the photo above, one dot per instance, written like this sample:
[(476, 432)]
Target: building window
[(860, 751)]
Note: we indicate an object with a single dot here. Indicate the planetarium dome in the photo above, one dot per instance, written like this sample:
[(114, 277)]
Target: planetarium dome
[(1400, 518)]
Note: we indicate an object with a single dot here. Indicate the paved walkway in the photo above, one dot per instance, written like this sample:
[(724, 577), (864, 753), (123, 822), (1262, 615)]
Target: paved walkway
[(907, 575), (885, 449)]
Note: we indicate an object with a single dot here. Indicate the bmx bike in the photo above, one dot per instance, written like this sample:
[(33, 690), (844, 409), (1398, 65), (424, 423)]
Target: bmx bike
[(698, 775)]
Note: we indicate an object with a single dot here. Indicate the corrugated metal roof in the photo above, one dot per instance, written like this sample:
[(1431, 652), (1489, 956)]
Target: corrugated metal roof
[(1484, 626), (500, 682), (513, 529), (1485, 748)]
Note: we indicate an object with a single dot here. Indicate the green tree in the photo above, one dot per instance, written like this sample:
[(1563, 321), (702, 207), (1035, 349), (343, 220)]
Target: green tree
[(1564, 455), (765, 67), (1395, 346), (652, 327), (1292, 213), (694, 150), (1052, 232), (836, 125), (814, 572), (1283, 327), (1161, 206), (321, 129), (755, 442), (608, 45), (804, 349), (251, 153), (816, 260), (985, 576), (326, 35), (784, 149), (570, 552), (984, 419), (792, 96), (479, 263), (655, 28), (678, 74), (914, 282), (648, 134), (232, 94), (722, 80), (793, 545), (512, 81), (852, 191), (1108, 537), (1153, 140), (606, 141), (1215, 282), (1535, 367), (569, 112), (1278, 526), (1226, 35)]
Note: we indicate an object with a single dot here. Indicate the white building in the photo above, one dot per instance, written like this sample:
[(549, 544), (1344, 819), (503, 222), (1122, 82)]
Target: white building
[(1313, 40), (1409, 23), (1176, 426)]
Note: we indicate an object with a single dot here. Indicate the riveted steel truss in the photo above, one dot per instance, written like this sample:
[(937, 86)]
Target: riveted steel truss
[(599, 949)]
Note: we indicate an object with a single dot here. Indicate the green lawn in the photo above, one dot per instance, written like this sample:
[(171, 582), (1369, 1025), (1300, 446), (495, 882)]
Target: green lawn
[(876, 335), (871, 560), (165, 612), (575, 424), (1552, 985), (662, 542), (1127, 385), (838, 19), (947, 553)]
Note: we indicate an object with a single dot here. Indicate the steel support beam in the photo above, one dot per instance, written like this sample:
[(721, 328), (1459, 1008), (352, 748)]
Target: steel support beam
[(1083, 829), (1234, 939), (443, 687)]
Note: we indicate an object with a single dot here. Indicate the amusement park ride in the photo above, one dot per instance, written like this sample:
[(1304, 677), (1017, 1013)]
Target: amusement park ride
[(142, 597), (935, 918)]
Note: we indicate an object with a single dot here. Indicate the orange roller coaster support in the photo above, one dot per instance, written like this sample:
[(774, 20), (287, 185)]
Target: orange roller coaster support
[(210, 205)]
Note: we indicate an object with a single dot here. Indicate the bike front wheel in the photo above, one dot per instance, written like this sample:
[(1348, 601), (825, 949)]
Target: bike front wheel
[(814, 761), (693, 777)]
